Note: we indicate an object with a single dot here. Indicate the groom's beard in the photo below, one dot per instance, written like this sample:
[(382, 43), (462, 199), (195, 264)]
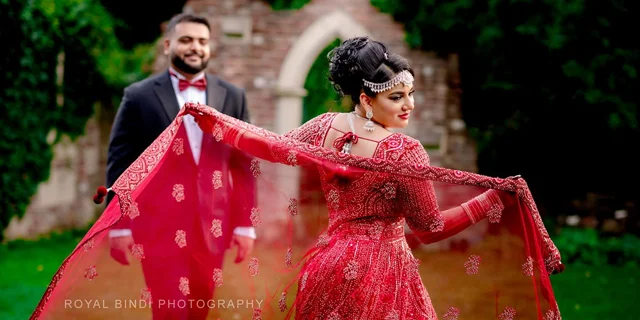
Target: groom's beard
[(182, 65)]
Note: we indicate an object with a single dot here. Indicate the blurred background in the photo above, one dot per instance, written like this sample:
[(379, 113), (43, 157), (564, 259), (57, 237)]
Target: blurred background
[(543, 89)]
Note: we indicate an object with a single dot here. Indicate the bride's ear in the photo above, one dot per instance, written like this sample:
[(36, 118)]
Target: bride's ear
[(366, 101)]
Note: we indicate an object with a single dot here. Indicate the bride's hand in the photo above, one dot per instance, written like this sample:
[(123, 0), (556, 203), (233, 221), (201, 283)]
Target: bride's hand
[(204, 121)]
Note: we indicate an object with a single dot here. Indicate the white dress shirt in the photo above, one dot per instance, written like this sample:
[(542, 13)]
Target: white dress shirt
[(194, 134)]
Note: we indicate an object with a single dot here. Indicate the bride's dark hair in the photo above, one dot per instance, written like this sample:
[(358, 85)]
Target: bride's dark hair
[(362, 58)]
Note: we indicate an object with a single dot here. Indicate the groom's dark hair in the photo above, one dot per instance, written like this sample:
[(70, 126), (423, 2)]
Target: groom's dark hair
[(185, 17)]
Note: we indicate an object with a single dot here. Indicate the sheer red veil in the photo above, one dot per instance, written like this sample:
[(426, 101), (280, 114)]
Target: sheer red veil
[(496, 268)]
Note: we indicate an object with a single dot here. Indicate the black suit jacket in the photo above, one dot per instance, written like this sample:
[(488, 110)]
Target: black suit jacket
[(148, 108)]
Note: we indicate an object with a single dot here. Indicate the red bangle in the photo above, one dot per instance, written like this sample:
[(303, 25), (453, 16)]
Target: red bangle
[(487, 204)]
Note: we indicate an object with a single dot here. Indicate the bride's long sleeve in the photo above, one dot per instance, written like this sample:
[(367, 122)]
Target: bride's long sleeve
[(255, 141), (421, 210), (249, 138)]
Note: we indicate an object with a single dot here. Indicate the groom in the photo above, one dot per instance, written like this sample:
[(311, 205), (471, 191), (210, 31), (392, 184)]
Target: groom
[(147, 109)]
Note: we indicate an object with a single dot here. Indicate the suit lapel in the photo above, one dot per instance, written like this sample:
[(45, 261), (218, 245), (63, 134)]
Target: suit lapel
[(216, 94), (166, 94)]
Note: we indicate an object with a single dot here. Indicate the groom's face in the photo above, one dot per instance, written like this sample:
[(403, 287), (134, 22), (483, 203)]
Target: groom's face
[(188, 47)]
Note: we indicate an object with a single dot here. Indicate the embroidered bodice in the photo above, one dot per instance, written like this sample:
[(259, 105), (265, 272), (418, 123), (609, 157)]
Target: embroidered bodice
[(372, 200)]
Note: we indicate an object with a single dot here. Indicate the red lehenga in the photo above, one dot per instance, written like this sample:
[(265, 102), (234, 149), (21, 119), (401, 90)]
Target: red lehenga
[(355, 264)]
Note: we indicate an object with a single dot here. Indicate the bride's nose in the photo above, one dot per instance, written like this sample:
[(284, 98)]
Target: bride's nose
[(409, 105)]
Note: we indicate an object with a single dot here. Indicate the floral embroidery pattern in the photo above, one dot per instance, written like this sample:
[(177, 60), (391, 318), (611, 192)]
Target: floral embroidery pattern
[(178, 146), (293, 207), (393, 315), (389, 191), (472, 265), (90, 273), (253, 267), (375, 231), (217, 132), (508, 314), (303, 281), (88, 245), (178, 192), (494, 214), (217, 277), (255, 217), (216, 228), (552, 315), (334, 316), (452, 314), (133, 210), (184, 286), (288, 257), (413, 269), (181, 238), (217, 180), (255, 168), (137, 251), (292, 158), (527, 267), (351, 270), (145, 295), (323, 241), (282, 303), (257, 314), (333, 199), (437, 224)]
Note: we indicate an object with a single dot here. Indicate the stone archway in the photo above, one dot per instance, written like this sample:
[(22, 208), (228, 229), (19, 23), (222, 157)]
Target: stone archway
[(295, 68), (293, 73)]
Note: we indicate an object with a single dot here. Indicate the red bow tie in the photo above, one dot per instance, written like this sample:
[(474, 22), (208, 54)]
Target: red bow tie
[(183, 84)]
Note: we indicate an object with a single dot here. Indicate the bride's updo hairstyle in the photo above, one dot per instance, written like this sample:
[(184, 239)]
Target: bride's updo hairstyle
[(361, 59)]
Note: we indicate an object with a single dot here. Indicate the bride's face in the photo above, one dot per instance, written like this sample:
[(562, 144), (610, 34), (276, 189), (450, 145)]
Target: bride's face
[(392, 108)]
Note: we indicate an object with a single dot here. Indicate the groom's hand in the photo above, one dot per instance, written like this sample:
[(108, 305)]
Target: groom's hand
[(245, 246), (119, 248)]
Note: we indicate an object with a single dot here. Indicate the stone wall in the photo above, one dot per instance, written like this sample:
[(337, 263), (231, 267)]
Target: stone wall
[(65, 200)]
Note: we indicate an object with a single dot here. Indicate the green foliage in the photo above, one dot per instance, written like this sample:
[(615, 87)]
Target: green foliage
[(321, 97), (287, 4), (37, 107), (585, 246), (543, 82)]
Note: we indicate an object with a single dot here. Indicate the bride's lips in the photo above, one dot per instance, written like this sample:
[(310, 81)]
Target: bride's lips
[(404, 116)]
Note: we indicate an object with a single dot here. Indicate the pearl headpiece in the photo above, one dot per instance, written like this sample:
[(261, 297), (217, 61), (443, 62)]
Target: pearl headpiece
[(404, 77)]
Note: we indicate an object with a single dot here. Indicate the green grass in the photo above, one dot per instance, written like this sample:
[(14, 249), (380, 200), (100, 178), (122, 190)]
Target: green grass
[(583, 292), (27, 268), (603, 292)]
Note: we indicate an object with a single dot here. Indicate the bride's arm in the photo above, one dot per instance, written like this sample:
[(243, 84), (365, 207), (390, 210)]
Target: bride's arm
[(421, 210), (256, 141)]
